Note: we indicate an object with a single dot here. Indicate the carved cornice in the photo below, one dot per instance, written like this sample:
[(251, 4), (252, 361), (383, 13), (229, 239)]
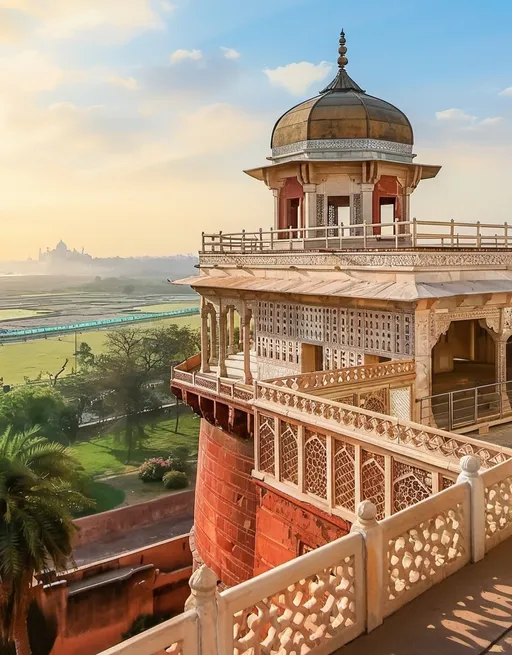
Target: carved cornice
[(382, 259)]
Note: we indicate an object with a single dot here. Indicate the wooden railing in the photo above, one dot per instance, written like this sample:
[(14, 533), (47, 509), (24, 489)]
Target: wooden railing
[(352, 375), (401, 234), (322, 600)]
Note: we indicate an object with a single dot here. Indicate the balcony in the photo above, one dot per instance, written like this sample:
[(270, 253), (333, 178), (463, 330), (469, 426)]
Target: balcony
[(410, 235)]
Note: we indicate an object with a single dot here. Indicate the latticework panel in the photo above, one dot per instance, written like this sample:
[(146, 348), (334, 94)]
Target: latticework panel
[(498, 510), (375, 401), (315, 464), (340, 329), (373, 481), (400, 403), (267, 444), (410, 485), (344, 475), (289, 453), (447, 483), (302, 617), (415, 557)]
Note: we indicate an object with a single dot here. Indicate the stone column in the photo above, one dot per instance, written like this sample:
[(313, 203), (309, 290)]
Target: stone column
[(213, 336), (203, 585), (222, 371), (368, 527), (500, 345), (205, 357), (233, 347), (367, 203), (423, 361), (276, 208), (310, 213), (246, 329)]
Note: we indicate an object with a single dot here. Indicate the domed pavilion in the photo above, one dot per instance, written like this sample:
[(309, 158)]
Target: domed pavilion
[(342, 158)]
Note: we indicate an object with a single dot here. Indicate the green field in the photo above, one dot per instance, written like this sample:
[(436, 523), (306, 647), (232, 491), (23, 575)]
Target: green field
[(165, 307), (105, 454), (29, 358), (10, 314)]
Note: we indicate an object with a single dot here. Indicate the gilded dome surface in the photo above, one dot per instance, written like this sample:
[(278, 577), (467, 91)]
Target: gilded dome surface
[(342, 111)]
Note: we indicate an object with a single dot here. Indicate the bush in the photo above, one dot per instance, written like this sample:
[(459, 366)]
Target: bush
[(175, 480), (153, 470), (180, 456)]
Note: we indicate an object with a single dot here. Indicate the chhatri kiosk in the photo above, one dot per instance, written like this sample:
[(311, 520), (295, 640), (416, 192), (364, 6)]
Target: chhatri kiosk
[(346, 351)]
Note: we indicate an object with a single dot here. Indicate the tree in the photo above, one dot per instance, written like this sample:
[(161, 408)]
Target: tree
[(84, 356), (28, 406), (37, 498), (133, 360)]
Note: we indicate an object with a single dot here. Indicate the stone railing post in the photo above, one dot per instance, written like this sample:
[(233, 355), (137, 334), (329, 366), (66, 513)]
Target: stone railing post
[(469, 472), (367, 525), (203, 585)]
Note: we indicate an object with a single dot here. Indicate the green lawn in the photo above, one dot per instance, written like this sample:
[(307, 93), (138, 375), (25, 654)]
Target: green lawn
[(106, 455), (31, 357), (104, 495)]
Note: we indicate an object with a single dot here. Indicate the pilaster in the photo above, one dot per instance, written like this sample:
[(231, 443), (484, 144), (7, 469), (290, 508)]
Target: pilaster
[(367, 203)]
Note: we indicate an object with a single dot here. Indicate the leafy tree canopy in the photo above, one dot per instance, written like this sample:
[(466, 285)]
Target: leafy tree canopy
[(27, 407)]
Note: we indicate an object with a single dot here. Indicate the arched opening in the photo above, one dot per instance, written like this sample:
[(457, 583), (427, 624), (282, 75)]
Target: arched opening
[(464, 389), (463, 358)]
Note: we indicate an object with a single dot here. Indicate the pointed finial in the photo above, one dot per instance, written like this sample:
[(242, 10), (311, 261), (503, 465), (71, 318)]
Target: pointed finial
[(342, 60)]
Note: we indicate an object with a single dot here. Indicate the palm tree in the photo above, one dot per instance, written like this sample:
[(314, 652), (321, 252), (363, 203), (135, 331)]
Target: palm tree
[(37, 497)]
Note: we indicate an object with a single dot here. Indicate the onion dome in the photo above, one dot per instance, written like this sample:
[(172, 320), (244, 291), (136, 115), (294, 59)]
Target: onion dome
[(343, 122)]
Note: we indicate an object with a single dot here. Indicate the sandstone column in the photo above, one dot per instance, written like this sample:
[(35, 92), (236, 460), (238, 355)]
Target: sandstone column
[(205, 355), (231, 327), (423, 361), (310, 197), (213, 335), (367, 203), (222, 373), (246, 329)]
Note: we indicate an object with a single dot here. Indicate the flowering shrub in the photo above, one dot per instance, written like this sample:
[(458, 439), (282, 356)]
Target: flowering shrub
[(175, 480), (153, 469)]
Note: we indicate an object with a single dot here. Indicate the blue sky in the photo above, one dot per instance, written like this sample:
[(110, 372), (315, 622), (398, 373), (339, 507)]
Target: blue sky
[(122, 115)]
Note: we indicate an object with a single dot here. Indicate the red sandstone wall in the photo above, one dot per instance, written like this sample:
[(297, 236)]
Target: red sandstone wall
[(92, 621), (225, 513), (285, 529), (109, 525)]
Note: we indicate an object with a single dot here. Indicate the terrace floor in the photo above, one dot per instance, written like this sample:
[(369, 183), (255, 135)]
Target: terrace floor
[(469, 613)]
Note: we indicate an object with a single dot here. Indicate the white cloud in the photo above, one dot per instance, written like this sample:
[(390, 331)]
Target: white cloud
[(506, 92), (215, 128), (466, 121), (230, 53), (454, 115), (27, 73), (98, 18), (168, 7), (298, 77), (492, 120), (129, 83), (180, 55)]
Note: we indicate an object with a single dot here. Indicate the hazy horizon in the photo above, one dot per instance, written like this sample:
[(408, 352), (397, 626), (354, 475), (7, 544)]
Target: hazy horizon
[(126, 126)]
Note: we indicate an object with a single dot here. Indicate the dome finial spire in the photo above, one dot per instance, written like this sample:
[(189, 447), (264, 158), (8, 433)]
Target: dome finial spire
[(342, 81), (342, 60)]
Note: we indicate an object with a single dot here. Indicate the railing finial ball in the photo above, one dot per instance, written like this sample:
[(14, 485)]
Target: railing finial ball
[(366, 510), (470, 464)]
